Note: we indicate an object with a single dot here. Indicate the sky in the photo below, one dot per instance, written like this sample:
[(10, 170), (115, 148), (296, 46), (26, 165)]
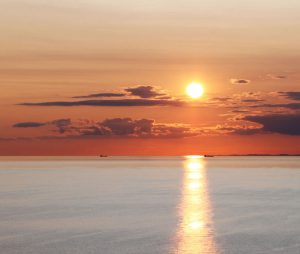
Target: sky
[(92, 77)]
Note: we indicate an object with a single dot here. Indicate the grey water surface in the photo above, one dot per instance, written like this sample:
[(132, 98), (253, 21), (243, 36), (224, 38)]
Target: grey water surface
[(150, 205)]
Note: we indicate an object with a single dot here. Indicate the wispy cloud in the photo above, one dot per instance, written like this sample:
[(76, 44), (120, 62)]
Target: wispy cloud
[(148, 96), (60, 124), (28, 125), (294, 106), (236, 81), (105, 103), (276, 76), (95, 95), (144, 91), (290, 95)]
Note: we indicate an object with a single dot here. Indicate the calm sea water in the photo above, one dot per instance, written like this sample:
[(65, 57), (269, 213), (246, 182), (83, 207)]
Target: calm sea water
[(150, 205)]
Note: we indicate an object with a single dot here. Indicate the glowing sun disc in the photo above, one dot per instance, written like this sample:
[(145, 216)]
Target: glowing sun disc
[(195, 90)]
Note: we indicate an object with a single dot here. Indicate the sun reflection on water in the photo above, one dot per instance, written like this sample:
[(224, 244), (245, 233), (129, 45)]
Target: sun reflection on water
[(194, 234)]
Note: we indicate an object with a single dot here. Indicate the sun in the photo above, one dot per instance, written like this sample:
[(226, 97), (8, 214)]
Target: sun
[(195, 90)]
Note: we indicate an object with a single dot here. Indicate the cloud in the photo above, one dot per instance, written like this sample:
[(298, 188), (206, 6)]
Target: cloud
[(176, 131), (276, 77), (93, 131), (293, 106), (291, 95), (60, 124), (144, 92), (247, 131), (235, 81), (282, 124), (237, 101), (148, 128), (119, 127), (237, 127), (241, 131), (127, 126), (164, 97), (112, 103), (95, 95), (221, 99), (139, 128), (149, 96), (252, 100), (239, 110), (29, 124)]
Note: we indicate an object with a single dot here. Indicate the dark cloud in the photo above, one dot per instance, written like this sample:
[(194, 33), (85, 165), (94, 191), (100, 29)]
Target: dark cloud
[(282, 124), (247, 131), (119, 127), (274, 76), (100, 95), (222, 99), (293, 106), (112, 103), (29, 124), (235, 81), (93, 130), (127, 126), (252, 100), (164, 97), (239, 110), (279, 77), (291, 95), (144, 92), (60, 124), (140, 128)]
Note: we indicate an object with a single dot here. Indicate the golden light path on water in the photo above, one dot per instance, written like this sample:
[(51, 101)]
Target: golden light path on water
[(195, 234)]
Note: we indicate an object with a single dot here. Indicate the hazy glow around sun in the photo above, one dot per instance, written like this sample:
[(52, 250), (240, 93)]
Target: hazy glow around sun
[(195, 90)]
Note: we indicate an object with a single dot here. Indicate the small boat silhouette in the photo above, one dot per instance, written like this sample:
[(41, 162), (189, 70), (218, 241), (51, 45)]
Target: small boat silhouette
[(103, 155), (208, 156)]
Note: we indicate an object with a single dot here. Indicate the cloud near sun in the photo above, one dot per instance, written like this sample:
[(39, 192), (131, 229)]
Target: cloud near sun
[(246, 113), (131, 97)]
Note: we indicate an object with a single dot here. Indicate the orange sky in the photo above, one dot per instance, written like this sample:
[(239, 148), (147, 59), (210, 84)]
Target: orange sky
[(246, 54)]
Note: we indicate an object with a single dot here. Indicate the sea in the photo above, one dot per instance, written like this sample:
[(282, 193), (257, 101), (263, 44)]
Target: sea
[(150, 205)]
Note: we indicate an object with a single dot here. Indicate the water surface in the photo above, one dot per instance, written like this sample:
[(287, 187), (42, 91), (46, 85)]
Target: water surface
[(149, 205)]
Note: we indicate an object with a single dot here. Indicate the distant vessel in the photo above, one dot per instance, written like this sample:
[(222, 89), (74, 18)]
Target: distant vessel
[(103, 155), (208, 156)]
